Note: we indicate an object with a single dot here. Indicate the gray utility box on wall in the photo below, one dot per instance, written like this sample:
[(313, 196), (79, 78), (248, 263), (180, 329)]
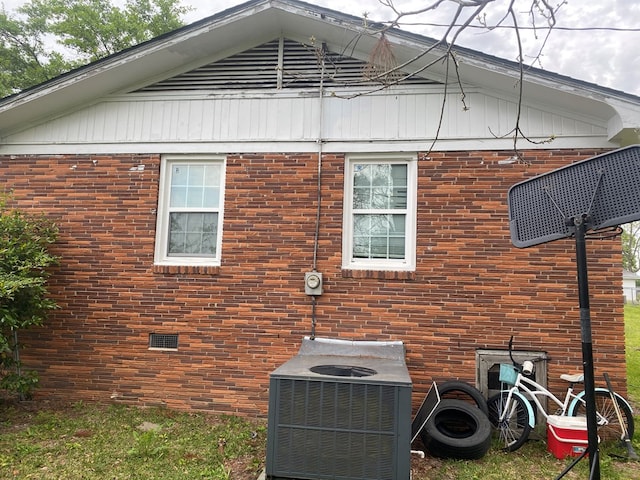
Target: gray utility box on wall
[(340, 409)]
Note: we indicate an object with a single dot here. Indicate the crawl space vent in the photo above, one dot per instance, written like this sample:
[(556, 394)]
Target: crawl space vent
[(340, 410), (163, 341)]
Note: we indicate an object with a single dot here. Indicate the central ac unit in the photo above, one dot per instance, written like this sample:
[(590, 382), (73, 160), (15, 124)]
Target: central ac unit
[(350, 421)]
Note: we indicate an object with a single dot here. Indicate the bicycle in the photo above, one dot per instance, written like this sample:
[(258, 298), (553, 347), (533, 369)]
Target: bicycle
[(512, 412)]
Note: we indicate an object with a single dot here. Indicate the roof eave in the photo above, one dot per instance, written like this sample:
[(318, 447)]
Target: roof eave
[(623, 128), (266, 18), (115, 73)]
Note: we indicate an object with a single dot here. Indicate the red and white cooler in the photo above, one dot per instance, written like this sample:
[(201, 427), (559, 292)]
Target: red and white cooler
[(567, 436)]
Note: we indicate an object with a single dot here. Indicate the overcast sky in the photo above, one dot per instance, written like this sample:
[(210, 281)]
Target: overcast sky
[(608, 55)]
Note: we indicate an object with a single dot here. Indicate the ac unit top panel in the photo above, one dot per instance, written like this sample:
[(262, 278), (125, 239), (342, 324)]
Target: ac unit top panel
[(353, 362)]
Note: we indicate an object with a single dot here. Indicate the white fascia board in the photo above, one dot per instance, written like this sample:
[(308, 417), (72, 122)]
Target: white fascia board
[(497, 144), (624, 127)]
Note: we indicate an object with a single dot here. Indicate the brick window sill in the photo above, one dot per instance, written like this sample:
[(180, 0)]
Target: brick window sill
[(379, 274), (186, 269)]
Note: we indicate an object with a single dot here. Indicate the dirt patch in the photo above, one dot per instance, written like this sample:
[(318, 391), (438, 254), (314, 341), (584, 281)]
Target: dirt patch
[(243, 468)]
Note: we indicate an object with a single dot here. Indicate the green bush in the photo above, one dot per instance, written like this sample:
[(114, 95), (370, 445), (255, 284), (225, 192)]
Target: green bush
[(24, 262)]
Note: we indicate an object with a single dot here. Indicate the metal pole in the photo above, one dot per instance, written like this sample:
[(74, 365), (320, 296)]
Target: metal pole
[(16, 358), (587, 347)]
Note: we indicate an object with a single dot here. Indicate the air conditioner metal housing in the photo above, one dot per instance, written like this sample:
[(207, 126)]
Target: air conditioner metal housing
[(351, 421)]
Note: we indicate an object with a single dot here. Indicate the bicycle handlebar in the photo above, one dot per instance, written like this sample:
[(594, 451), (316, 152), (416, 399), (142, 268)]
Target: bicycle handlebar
[(526, 367), (515, 364)]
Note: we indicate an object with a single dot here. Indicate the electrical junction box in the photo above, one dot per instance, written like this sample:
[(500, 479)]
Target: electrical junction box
[(313, 283)]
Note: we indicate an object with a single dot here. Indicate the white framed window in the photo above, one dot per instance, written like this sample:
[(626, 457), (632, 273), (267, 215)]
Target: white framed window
[(379, 227), (190, 210)]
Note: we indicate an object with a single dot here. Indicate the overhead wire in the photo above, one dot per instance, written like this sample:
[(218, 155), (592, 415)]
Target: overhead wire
[(521, 27)]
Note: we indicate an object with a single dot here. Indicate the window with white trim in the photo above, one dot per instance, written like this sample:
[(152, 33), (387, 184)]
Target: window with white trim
[(379, 228), (190, 210)]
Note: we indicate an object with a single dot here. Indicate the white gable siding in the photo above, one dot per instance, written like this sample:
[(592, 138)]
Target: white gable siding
[(248, 122)]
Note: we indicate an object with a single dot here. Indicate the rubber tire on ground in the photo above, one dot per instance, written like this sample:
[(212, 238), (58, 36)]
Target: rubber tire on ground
[(514, 431), (456, 389), (457, 430)]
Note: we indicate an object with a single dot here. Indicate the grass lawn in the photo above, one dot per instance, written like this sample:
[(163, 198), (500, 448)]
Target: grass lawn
[(97, 442), (90, 441), (632, 331)]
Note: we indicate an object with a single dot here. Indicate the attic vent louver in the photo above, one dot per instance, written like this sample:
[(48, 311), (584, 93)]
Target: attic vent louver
[(260, 68), (163, 341)]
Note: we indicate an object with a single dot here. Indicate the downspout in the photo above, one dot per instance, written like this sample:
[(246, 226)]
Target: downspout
[(319, 186), (319, 142)]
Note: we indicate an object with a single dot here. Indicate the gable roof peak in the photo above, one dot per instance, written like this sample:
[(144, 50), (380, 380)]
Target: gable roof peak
[(256, 22)]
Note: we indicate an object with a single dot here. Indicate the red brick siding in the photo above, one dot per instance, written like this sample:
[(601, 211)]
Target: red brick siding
[(471, 290)]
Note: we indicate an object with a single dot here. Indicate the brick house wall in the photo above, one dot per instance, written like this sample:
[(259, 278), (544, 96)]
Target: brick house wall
[(236, 323)]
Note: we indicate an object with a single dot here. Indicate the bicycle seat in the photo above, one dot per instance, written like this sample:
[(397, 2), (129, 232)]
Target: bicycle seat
[(575, 378)]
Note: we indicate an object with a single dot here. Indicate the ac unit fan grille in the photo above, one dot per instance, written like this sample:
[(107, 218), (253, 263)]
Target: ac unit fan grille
[(336, 430)]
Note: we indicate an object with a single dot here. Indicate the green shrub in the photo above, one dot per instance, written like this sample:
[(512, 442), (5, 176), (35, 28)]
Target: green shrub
[(24, 262)]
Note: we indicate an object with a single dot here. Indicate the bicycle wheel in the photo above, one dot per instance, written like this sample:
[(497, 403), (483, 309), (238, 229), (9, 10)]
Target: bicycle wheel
[(609, 430), (514, 430)]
